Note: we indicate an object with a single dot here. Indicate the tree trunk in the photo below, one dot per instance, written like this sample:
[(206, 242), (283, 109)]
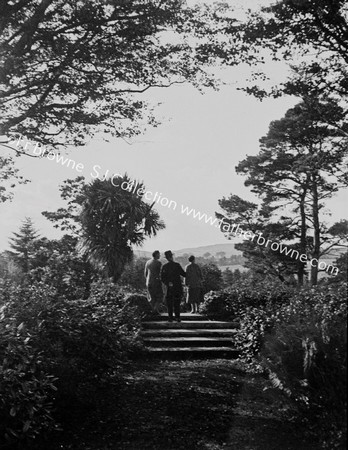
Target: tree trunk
[(303, 238), (316, 237)]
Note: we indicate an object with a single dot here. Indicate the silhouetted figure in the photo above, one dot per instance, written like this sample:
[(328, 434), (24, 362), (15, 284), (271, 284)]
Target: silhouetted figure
[(152, 274), (171, 276), (194, 282)]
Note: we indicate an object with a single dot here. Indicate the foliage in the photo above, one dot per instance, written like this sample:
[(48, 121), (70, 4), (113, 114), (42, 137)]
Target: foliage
[(22, 245), (133, 275), (217, 306), (72, 191), (306, 357), (212, 277), (58, 263), (8, 269), (300, 164), (220, 260), (114, 218), (314, 34), (342, 264), (109, 216), (232, 302), (71, 68), (140, 304), (299, 337), (9, 177), (79, 343), (26, 388), (228, 276)]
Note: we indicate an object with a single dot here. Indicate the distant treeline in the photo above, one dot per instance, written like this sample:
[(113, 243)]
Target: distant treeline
[(220, 259)]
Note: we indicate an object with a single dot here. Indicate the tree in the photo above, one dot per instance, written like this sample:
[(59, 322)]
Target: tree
[(8, 269), (300, 164), (71, 69), (227, 277), (109, 217), (342, 264), (9, 177), (212, 277), (133, 275), (311, 35), (237, 274), (239, 214), (113, 220), (59, 264), (72, 66), (68, 219), (22, 245)]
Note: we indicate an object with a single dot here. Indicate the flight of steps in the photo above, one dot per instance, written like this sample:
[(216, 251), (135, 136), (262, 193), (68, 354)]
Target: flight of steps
[(194, 336)]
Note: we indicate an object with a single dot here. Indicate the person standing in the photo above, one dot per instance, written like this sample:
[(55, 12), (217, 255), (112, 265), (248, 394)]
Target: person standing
[(194, 282), (171, 274), (152, 274)]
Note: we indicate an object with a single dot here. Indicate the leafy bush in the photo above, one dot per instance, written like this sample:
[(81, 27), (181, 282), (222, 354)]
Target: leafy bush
[(218, 305), (231, 302), (212, 277), (140, 304), (251, 304), (299, 336), (306, 357), (82, 343), (91, 336), (27, 390)]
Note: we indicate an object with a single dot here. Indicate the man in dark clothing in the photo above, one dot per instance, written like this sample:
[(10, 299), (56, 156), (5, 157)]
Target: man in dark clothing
[(171, 274)]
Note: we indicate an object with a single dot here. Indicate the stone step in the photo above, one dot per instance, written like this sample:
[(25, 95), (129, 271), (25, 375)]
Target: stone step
[(188, 324), (192, 352), (188, 341), (194, 332), (184, 316)]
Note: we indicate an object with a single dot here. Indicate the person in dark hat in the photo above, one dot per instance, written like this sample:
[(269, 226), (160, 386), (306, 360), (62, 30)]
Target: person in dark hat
[(171, 274)]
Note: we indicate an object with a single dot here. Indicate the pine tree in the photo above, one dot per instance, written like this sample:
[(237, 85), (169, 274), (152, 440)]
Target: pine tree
[(227, 276), (22, 245)]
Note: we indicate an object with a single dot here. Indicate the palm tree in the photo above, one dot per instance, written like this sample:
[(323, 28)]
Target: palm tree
[(113, 220)]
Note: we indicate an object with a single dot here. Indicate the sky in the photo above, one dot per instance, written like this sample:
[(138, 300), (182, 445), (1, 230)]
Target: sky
[(189, 159)]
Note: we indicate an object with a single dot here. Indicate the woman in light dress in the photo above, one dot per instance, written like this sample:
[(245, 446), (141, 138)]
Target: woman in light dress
[(194, 282)]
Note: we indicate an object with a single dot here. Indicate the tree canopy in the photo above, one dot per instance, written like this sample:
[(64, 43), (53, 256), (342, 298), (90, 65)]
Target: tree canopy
[(312, 36), (22, 245), (300, 165), (73, 67), (108, 218)]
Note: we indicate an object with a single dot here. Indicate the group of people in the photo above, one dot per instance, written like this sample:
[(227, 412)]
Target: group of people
[(169, 275)]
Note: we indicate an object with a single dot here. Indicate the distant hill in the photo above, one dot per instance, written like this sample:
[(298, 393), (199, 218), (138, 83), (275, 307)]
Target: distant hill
[(228, 248), (142, 254)]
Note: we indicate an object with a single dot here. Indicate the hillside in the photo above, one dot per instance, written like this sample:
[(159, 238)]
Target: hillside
[(228, 248)]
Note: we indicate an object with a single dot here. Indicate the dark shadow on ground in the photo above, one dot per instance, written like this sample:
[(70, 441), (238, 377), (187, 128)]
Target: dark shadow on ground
[(198, 405)]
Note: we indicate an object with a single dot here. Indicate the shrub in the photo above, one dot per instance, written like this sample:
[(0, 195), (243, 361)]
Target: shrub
[(305, 356), (26, 389), (212, 277), (300, 336), (253, 306), (231, 302), (82, 343), (217, 305), (140, 304)]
